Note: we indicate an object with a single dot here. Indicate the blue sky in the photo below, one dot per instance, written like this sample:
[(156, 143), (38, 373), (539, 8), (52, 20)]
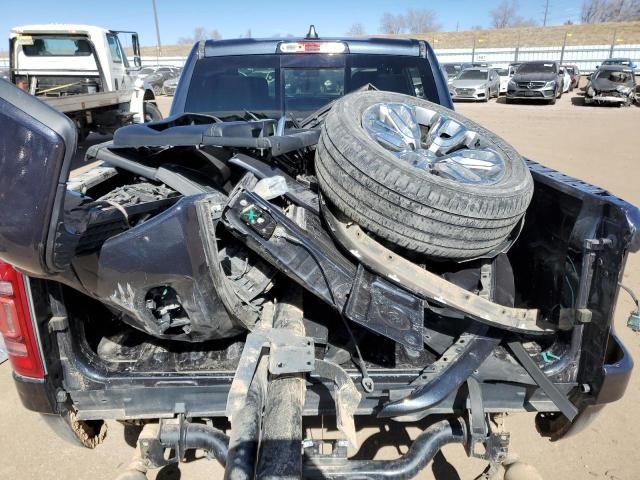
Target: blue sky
[(276, 17)]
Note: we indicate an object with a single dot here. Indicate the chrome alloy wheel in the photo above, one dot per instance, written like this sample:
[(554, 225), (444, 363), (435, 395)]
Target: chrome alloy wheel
[(432, 142)]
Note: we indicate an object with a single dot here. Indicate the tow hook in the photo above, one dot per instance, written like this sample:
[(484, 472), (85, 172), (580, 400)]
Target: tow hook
[(633, 322)]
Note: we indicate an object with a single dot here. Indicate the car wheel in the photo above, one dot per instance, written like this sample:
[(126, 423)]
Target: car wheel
[(508, 100), (486, 95), (151, 112), (552, 101), (458, 195), (157, 91)]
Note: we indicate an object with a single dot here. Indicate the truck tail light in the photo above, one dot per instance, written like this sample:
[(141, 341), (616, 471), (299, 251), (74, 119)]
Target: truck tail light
[(16, 325), (312, 47)]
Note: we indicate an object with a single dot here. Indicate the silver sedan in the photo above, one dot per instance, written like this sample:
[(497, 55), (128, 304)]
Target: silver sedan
[(475, 84)]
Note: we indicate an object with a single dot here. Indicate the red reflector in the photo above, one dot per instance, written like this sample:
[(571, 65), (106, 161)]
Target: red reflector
[(312, 47), (16, 326)]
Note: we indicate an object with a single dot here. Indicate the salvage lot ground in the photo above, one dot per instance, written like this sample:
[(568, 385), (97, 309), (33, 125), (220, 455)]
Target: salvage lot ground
[(596, 144)]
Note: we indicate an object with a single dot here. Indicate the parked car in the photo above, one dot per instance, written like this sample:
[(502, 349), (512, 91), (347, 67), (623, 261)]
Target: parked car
[(146, 71), (611, 84), (453, 69), (574, 72), (503, 73), (566, 80), (156, 79), (537, 80), (624, 61), (475, 84), (169, 86), (388, 253)]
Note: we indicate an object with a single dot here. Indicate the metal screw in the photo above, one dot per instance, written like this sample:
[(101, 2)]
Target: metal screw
[(243, 203)]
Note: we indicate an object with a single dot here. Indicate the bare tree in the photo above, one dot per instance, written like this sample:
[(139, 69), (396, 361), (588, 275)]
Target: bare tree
[(200, 33), (421, 20), (623, 10), (391, 23), (356, 30), (595, 11), (505, 15)]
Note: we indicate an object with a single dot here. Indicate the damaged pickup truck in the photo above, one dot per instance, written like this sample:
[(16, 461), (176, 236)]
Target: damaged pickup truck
[(312, 233)]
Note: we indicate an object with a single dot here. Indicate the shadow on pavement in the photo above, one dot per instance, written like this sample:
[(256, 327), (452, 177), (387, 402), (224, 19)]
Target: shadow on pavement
[(442, 469), (170, 472), (579, 101)]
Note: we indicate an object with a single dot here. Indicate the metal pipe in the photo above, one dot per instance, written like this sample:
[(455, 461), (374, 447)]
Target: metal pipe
[(197, 436), (420, 453)]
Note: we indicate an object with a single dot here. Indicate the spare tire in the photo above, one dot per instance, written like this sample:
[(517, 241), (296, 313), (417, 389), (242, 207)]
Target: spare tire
[(421, 176)]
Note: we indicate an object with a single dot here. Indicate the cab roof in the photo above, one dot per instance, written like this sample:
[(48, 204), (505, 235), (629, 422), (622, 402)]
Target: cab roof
[(266, 46), (57, 28)]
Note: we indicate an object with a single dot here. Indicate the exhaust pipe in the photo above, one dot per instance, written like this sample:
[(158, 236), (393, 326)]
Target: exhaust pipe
[(420, 453)]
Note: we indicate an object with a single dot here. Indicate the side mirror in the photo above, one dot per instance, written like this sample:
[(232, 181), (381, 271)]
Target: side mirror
[(135, 44)]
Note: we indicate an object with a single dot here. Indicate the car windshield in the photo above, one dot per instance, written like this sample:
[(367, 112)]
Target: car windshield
[(274, 85), (537, 67), (472, 74), (147, 70), (615, 76), (569, 70), (503, 72)]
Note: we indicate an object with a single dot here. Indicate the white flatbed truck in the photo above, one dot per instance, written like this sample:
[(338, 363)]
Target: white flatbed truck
[(84, 72)]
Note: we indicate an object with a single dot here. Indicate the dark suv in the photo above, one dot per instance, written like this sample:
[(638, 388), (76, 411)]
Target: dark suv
[(277, 255), (536, 81)]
